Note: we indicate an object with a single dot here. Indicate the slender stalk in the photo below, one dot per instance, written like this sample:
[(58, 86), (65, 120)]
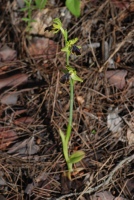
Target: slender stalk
[(69, 127), (67, 57)]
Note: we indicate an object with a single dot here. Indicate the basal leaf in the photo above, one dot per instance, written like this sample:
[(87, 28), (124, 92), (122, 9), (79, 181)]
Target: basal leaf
[(74, 7), (76, 157)]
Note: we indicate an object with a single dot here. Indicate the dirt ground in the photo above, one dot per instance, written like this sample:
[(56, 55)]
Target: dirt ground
[(34, 103)]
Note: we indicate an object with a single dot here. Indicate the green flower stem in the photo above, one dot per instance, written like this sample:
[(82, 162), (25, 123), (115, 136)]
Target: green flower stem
[(69, 127), (67, 53), (67, 57)]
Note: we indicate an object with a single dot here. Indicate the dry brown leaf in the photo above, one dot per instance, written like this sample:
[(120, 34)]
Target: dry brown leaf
[(10, 98), (130, 83), (114, 121), (122, 4), (131, 8), (2, 197), (7, 136), (3, 146), (27, 147), (15, 80), (23, 120), (117, 78), (130, 133), (7, 54), (106, 195), (19, 112), (80, 99), (120, 198), (130, 136), (41, 177), (6, 133), (43, 46), (30, 187), (130, 185), (2, 180), (3, 69)]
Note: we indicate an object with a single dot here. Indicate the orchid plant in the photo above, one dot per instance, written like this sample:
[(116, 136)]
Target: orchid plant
[(65, 137)]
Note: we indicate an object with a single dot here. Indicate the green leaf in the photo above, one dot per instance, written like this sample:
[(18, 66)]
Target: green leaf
[(57, 26), (71, 69), (93, 131), (57, 22), (76, 157), (75, 77), (73, 41), (74, 7), (24, 9), (65, 49), (33, 20), (27, 2), (40, 4), (26, 19), (62, 135)]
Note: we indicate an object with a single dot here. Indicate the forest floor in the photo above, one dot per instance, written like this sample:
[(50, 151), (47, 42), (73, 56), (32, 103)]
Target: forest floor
[(34, 103)]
